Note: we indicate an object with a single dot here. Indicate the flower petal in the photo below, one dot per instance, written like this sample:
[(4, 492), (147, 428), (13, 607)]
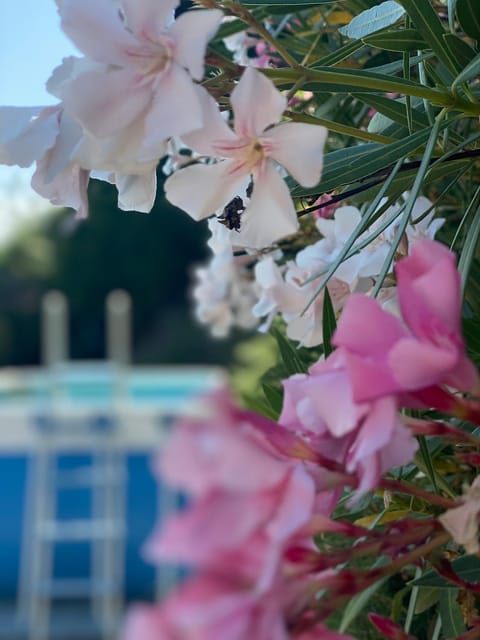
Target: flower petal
[(149, 17), (214, 128), (299, 148), (270, 214), (26, 133), (136, 192), (175, 109), (95, 27), (256, 103), (68, 189), (105, 103), (201, 190), (191, 33), (69, 136)]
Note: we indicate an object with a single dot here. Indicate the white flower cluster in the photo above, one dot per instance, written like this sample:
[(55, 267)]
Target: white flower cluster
[(228, 294), (225, 291)]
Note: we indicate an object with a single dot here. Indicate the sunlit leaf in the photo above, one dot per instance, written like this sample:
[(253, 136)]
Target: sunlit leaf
[(373, 19)]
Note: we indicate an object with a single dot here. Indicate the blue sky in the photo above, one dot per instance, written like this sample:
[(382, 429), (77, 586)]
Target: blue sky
[(31, 45)]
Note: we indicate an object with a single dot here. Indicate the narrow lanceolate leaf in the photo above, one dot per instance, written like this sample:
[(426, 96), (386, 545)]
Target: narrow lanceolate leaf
[(329, 324), (352, 164), (451, 14), (427, 22), (371, 20), (395, 110), (466, 567), (357, 80), (292, 6), (472, 70), (290, 357), (400, 40), (468, 15), (451, 614), (462, 51), (274, 398)]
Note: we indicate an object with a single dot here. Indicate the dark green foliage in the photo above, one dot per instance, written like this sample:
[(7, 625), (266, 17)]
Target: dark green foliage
[(151, 256)]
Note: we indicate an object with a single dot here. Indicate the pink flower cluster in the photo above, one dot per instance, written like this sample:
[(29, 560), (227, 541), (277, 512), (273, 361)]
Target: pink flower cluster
[(250, 499), (259, 490)]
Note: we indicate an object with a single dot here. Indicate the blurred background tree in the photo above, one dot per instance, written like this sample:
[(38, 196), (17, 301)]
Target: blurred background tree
[(150, 256)]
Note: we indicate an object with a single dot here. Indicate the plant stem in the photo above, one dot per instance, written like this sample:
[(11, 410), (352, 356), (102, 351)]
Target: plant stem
[(411, 490)]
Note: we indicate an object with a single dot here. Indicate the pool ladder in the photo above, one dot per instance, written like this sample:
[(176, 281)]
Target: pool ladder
[(104, 480)]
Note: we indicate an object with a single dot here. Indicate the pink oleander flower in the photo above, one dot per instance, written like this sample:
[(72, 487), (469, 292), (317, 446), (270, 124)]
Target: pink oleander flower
[(252, 150), (211, 608), (247, 498), (386, 355), (366, 438), (145, 66)]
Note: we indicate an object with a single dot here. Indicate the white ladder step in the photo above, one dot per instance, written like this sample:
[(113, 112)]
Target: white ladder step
[(80, 530), (87, 477), (76, 588)]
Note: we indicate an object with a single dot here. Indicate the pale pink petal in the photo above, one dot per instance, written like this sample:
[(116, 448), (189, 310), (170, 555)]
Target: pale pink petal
[(365, 328), (295, 506), (420, 297), (376, 431), (61, 154), (418, 364), (149, 17), (136, 192), (191, 33), (68, 189), (464, 376), (299, 148), (26, 133), (70, 68), (270, 214), (105, 103), (175, 109), (256, 103), (146, 622), (213, 129), (331, 395), (201, 190), (95, 27)]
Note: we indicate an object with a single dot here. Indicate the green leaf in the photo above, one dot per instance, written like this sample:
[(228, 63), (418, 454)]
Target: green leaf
[(400, 40), (346, 80), (471, 240), (329, 323), (358, 603), (451, 614), (274, 397), (451, 14), (292, 6), (289, 354), (467, 567), (472, 70), (354, 163), (469, 17), (463, 52), (373, 19), (395, 110), (426, 598), (426, 20), (471, 334)]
